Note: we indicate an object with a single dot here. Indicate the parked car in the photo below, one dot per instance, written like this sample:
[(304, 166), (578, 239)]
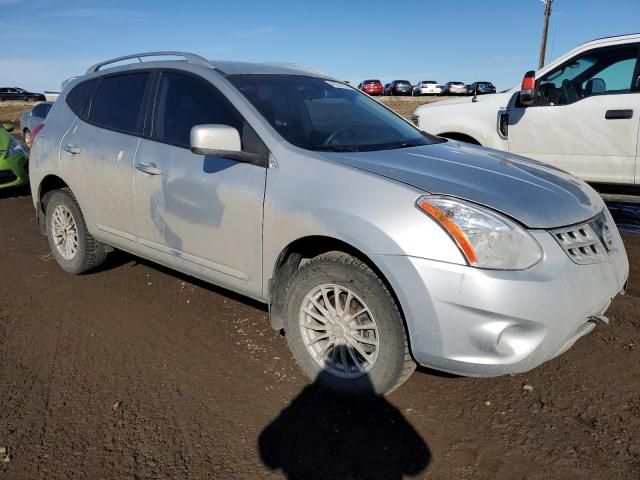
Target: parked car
[(427, 87), (398, 87), (481, 88), (15, 93), (372, 87), (580, 113), (259, 179), (454, 88), (14, 161), (32, 118)]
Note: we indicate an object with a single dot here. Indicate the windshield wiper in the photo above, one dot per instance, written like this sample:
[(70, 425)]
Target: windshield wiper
[(394, 146), (336, 148)]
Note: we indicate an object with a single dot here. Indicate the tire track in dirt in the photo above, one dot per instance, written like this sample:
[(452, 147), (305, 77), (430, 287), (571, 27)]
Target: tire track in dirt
[(159, 375)]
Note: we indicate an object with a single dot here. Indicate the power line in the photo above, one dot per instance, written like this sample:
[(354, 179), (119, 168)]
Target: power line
[(545, 31)]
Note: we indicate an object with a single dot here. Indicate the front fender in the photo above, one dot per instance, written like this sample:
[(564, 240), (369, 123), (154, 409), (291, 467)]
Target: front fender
[(375, 215)]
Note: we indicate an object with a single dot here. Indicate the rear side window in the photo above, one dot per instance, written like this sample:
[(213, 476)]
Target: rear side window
[(42, 110), (78, 97), (117, 104), (38, 111), (183, 102)]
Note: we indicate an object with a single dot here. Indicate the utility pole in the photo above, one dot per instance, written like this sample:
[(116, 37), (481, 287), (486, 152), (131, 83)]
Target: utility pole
[(545, 30)]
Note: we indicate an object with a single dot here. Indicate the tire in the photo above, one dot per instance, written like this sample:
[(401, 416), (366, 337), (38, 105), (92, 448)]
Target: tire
[(391, 363), (26, 135), (89, 253)]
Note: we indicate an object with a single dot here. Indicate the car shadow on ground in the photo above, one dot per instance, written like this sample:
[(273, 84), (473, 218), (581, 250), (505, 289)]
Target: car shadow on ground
[(323, 436)]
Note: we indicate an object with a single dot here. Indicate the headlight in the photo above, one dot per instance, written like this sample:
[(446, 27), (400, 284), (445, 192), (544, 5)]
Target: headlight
[(15, 148), (486, 238)]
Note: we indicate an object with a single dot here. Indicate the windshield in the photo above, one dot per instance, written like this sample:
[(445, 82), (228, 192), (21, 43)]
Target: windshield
[(317, 114)]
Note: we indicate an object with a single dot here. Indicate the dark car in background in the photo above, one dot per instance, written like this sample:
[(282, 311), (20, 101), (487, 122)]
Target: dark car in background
[(20, 94), (481, 88), (454, 88), (372, 87), (398, 87)]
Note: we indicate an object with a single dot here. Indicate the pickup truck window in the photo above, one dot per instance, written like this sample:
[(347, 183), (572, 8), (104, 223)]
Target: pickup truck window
[(598, 72)]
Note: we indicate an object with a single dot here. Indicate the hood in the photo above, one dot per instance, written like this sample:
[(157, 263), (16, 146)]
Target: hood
[(501, 98), (531, 192)]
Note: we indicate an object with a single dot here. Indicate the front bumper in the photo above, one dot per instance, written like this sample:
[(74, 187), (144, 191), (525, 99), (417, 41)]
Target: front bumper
[(478, 322), (14, 171)]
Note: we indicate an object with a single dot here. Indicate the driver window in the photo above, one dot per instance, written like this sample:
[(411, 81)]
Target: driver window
[(599, 72)]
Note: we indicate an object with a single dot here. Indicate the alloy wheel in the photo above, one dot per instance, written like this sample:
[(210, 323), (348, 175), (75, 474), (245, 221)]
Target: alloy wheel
[(339, 331), (65, 232)]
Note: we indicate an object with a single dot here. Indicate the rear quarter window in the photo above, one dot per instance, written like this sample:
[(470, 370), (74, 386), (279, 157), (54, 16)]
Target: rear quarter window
[(79, 96)]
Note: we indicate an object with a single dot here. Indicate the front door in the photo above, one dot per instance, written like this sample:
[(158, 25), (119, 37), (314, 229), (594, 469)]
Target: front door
[(586, 116), (200, 214)]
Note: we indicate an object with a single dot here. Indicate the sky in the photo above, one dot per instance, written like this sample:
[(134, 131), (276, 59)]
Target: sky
[(46, 41)]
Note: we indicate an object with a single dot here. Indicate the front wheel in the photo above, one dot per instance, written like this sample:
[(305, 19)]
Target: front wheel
[(73, 247), (344, 327)]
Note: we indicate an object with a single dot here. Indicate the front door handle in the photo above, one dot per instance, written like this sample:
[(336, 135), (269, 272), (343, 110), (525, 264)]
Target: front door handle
[(149, 168), (618, 114), (72, 148)]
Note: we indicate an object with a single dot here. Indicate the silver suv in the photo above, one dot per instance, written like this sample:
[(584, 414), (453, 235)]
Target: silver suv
[(374, 244)]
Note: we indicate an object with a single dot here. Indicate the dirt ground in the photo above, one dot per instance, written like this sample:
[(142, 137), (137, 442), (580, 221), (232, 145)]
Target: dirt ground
[(137, 371), (11, 111)]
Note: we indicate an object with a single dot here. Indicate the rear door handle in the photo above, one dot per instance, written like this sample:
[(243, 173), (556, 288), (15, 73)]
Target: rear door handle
[(618, 114), (71, 148), (149, 168)]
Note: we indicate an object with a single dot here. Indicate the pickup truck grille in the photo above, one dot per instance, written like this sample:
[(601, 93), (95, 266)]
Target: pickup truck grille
[(588, 242)]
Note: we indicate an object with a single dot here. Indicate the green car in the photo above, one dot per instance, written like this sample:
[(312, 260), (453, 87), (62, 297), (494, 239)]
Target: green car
[(14, 160)]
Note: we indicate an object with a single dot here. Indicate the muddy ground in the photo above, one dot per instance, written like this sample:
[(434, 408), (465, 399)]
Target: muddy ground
[(136, 371)]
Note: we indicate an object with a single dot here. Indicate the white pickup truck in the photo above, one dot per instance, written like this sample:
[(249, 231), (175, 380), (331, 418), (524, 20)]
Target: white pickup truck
[(580, 113)]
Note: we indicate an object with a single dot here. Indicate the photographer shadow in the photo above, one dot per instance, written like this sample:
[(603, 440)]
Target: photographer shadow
[(325, 436)]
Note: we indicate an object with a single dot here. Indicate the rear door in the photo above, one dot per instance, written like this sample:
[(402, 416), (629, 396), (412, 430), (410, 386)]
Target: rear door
[(199, 214), (586, 116), (98, 152)]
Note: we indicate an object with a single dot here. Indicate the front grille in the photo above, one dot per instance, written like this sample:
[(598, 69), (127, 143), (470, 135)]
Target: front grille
[(585, 243), (7, 177)]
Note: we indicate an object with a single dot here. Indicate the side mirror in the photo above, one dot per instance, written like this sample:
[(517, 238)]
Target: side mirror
[(222, 141), (528, 89), (8, 127)]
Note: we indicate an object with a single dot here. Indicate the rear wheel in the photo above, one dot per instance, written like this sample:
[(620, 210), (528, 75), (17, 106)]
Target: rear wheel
[(73, 247), (344, 328)]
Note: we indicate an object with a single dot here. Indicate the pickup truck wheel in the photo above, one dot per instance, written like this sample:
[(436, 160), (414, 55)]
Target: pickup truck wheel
[(344, 328), (73, 247)]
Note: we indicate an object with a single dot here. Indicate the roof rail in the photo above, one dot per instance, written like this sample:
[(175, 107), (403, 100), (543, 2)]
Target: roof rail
[(189, 57)]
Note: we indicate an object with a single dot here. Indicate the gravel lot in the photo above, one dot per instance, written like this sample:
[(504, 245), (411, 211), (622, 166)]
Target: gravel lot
[(136, 371)]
